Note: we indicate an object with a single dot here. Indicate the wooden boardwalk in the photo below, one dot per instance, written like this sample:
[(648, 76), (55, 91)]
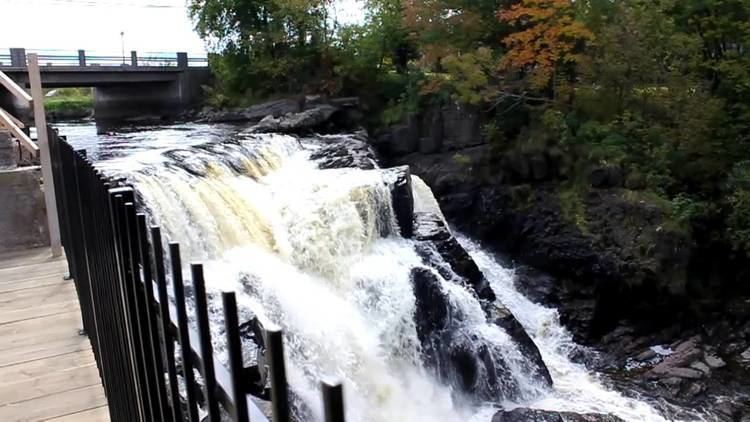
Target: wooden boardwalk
[(47, 370)]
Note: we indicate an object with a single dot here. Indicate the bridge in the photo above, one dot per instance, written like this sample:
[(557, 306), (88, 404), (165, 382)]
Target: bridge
[(153, 85)]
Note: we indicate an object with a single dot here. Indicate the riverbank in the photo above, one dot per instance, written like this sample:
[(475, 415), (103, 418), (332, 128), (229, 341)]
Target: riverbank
[(69, 104)]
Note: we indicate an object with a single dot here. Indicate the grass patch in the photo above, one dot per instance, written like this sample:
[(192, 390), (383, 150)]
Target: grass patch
[(70, 100), (68, 105)]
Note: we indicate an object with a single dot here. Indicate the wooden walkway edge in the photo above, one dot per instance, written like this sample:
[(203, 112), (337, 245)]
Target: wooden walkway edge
[(47, 370)]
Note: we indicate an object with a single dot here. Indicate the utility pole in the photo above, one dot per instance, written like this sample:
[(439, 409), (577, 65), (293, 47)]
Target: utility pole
[(122, 41)]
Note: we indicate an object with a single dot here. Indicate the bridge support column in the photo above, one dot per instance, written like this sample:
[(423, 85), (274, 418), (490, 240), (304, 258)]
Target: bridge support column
[(116, 103), (18, 57)]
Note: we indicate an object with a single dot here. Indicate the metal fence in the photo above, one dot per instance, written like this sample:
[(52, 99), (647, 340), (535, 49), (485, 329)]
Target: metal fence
[(118, 265)]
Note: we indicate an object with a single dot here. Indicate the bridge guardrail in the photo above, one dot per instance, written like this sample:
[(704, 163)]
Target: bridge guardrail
[(81, 58), (118, 265)]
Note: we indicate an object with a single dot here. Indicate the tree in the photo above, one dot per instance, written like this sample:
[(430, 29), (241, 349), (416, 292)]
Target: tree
[(549, 37), (259, 45)]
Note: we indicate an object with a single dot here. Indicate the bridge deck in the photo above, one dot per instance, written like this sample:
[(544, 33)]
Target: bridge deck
[(47, 370)]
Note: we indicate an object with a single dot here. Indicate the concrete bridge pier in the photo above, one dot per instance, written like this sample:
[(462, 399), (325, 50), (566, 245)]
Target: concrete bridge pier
[(150, 100)]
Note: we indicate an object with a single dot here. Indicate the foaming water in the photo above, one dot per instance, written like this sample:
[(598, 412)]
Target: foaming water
[(576, 388), (318, 253)]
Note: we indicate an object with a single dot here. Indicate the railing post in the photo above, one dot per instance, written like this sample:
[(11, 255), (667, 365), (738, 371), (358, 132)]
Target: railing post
[(35, 80), (134, 58), (166, 324), (18, 57), (204, 333), (279, 388), (184, 335), (82, 58), (182, 60), (234, 350), (333, 402)]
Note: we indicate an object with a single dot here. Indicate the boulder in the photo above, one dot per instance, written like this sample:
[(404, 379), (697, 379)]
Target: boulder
[(714, 361), (459, 357), (431, 228), (677, 364), (345, 151), (303, 122), (402, 196), (253, 113), (535, 415)]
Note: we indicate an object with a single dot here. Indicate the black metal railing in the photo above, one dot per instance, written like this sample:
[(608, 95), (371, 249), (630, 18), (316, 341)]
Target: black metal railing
[(118, 265)]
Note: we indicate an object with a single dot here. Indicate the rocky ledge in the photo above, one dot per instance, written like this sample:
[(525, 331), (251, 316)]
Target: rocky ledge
[(534, 415), (628, 282)]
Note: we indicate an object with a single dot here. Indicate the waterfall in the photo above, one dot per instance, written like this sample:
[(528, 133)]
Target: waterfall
[(318, 252)]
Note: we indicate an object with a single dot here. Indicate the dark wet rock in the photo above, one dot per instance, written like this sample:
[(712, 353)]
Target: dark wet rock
[(402, 197), (714, 361), (345, 151), (253, 113), (433, 310), (535, 415), (677, 364), (307, 121), (459, 357), (445, 128), (431, 228), (505, 319), (540, 287)]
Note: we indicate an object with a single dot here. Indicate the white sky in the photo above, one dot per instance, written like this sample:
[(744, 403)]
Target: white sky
[(95, 25)]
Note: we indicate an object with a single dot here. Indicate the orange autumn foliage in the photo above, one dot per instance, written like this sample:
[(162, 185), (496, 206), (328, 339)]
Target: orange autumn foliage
[(549, 35)]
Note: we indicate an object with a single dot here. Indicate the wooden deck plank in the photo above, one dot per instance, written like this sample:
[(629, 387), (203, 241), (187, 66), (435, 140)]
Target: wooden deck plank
[(54, 405), (22, 314), (53, 382), (39, 330), (44, 350), (47, 370), (99, 414), (26, 272), (38, 297)]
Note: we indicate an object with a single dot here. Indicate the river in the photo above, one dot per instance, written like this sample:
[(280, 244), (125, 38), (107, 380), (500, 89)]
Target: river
[(318, 252)]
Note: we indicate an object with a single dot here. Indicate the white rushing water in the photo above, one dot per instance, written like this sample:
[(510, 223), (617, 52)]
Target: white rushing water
[(576, 388), (317, 252)]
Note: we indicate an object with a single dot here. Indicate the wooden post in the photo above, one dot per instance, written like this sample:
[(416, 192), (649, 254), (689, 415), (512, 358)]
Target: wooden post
[(35, 80)]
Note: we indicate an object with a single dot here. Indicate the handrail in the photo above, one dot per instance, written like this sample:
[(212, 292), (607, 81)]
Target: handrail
[(9, 122), (15, 120), (14, 88)]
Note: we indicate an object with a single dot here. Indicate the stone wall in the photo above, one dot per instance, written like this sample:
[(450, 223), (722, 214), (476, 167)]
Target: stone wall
[(23, 217)]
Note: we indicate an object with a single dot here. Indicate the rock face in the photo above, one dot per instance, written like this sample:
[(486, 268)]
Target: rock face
[(430, 228), (254, 113), (289, 115), (337, 151), (459, 356), (534, 415), (445, 346), (447, 128), (303, 122), (399, 181), (623, 276)]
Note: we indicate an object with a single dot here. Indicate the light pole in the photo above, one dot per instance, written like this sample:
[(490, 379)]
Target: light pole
[(122, 41)]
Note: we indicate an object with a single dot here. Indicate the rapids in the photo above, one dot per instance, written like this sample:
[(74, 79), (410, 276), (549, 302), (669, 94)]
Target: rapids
[(318, 253)]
